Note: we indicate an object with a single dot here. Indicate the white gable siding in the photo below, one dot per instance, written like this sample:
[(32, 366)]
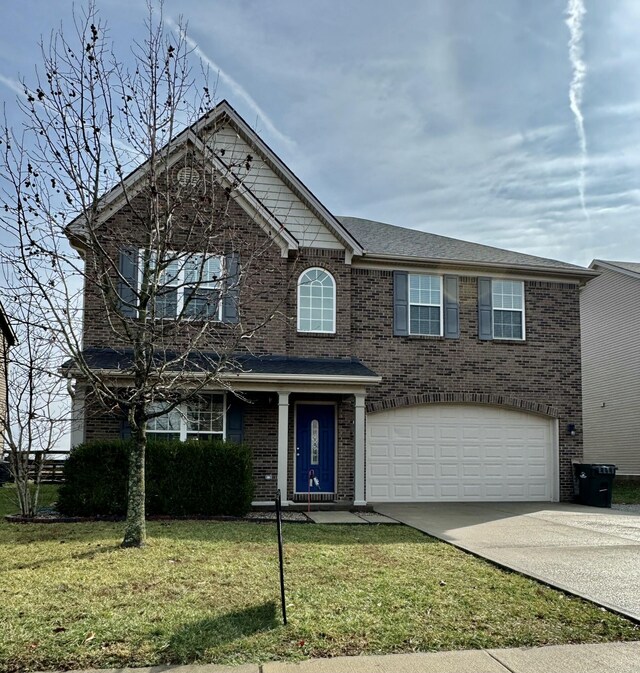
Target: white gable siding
[(610, 323), (274, 194)]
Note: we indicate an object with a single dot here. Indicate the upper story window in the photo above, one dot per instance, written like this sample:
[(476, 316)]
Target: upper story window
[(189, 286), (316, 301), (425, 304), (201, 418), (507, 299)]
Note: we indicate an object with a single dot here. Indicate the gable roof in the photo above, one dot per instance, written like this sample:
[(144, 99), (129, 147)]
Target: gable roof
[(627, 268), (225, 113), (388, 241)]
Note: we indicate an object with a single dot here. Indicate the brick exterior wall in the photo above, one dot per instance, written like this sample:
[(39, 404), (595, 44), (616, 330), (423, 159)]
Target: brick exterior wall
[(541, 373)]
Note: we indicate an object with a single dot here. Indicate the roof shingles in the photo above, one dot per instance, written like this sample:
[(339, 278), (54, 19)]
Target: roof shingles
[(388, 239)]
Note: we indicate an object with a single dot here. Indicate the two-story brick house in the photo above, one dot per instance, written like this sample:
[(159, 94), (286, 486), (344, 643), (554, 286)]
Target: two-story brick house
[(407, 367)]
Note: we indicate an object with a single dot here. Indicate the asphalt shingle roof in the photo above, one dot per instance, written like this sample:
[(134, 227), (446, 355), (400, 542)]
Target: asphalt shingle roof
[(389, 239), (634, 267), (120, 360)]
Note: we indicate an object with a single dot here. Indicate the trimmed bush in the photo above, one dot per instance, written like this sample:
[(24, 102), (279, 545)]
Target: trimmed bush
[(182, 479)]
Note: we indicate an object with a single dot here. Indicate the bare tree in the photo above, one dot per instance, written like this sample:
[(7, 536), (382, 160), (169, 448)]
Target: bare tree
[(160, 264), (35, 407)]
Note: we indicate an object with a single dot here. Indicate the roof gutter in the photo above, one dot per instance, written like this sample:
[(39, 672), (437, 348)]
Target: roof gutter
[(248, 377), (584, 274)]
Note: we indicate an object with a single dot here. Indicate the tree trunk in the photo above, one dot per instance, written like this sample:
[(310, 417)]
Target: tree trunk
[(135, 530)]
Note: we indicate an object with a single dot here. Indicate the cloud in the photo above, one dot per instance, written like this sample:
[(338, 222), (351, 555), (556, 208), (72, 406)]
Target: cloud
[(237, 89), (575, 15), (12, 84)]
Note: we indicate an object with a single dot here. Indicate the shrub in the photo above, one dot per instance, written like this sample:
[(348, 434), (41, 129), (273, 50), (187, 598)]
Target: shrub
[(182, 479)]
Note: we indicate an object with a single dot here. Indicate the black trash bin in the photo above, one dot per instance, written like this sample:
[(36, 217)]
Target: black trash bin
[(595, 484), (5, 472)]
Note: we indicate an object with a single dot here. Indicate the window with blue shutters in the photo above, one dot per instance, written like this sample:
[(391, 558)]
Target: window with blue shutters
[(425, 305), (501, 309), (201, 418), (507, 298), (189, 285)]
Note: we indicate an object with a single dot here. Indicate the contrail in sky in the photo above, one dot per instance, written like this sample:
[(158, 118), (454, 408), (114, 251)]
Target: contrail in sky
[(12, 84), (575, 14), (236, 87)]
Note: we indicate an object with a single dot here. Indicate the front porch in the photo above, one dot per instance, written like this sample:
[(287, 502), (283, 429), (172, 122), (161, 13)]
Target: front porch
[(304, 419), (309, 444)]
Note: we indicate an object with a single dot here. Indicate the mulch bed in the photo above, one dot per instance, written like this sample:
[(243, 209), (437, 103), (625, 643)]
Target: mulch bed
[(50, 515)]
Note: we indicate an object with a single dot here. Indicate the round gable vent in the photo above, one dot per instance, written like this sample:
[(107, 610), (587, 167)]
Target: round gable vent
[(188, 177)]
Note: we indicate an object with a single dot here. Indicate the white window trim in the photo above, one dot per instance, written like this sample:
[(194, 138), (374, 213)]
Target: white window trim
[(182, 286), (184, 431), (335, 306), (411, 303), (513, 310)]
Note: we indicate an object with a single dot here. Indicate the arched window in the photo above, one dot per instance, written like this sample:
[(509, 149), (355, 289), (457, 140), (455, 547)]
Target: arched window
[(316, 301)]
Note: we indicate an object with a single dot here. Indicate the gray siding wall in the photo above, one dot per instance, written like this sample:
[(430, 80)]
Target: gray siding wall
[(610, 323)]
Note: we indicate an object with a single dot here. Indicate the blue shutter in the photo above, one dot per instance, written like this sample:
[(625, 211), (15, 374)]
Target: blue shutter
[(232, 288), (235, 422), (485, 309), (451, 308), (128, 285), (400, 303)]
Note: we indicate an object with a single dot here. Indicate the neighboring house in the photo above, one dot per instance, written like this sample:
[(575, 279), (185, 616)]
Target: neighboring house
[(610, 318), (7, 339), (413, 367)]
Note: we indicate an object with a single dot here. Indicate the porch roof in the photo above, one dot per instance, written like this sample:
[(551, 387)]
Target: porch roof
[(236, 366)]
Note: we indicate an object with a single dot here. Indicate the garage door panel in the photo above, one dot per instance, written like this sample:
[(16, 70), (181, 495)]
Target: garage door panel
[(458, 452), (380, 470), (403, 470), (402, 450), (471, 451), (426, 451), (425, 492)]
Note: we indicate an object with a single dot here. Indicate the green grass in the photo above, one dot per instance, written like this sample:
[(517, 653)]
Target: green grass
[(208, 592), (9, 500), (626, 493)]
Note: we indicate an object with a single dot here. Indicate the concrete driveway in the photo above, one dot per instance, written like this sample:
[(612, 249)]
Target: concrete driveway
[(587, 551)]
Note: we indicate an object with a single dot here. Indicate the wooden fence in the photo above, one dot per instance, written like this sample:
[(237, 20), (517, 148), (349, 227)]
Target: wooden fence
[(52, 467)]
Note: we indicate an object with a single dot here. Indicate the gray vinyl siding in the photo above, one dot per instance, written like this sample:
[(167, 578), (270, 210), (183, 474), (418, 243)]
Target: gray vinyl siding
[(610, 323)]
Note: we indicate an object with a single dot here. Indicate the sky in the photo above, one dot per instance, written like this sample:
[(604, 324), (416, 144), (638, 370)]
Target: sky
[(505, 122)]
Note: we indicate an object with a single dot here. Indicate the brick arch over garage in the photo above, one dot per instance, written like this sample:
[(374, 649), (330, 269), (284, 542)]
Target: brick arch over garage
[(465, 398)]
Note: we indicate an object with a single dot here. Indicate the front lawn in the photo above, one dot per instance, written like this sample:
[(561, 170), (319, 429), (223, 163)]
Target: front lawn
[(208, 592), (626, 492), (9, 499)]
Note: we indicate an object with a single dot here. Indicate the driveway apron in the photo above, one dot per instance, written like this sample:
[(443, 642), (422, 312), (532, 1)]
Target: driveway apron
[(587, 551)]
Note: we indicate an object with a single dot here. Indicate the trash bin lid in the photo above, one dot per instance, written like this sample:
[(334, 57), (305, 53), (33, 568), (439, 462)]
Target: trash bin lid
[(604, 469)]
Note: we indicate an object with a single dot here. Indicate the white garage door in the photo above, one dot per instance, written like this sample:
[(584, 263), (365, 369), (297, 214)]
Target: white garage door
[(457, 452)]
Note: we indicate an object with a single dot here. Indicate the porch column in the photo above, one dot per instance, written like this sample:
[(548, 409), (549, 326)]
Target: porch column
[(358, 432), (283, 444)]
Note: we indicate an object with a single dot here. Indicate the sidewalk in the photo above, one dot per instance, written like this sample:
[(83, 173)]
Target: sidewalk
[(598, 658)]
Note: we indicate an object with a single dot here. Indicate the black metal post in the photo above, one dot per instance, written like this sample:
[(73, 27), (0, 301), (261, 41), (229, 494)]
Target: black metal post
[(281, 555)]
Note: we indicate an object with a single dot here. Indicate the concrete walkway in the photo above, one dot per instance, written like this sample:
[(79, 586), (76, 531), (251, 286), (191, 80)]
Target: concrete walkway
[(586, 551), (600, 658), (344, 517)]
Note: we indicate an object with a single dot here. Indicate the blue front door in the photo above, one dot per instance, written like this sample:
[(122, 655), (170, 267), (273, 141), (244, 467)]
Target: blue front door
[(315, 448)]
